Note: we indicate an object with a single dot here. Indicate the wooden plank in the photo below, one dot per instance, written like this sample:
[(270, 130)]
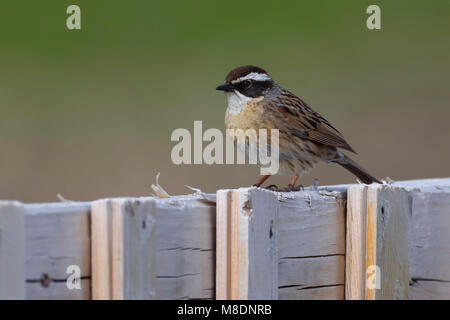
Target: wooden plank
[(424, 184), (185, 231), (387, 242), (311, 223), (312, 278), (332, 292), (12, 250), (223, 279), (101, 247), (311, 272), (246, 257), (430, 239), (122, 254), (355, 269), (261, 214), (311, 242), (430, 252), (273, 240), (57, 236), (429, 290), (149, 248)]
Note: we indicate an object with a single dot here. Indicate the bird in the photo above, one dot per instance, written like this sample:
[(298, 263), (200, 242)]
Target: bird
[(256, 101)]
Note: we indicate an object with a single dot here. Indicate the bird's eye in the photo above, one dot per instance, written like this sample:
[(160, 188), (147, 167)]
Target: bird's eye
[(246, 84)]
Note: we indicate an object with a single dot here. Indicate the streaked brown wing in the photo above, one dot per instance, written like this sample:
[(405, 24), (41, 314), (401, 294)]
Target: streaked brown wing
[(307, 124)]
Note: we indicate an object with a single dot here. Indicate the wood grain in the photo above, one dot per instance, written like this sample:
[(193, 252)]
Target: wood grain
[(378, 242), (430, 238), (355, 270), (281, 238), (12, 250), (149, 248), (57, 236)]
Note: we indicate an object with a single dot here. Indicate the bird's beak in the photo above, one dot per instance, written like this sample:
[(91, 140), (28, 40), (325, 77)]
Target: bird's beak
[(225, 87)]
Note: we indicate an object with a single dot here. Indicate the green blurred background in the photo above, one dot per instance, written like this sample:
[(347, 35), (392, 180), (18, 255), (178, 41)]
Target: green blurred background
[(89, 113)]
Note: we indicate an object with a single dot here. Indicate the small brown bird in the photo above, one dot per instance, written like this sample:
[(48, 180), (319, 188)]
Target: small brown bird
[(256, 102)]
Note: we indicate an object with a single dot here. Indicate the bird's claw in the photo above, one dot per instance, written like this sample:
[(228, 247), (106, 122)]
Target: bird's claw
[(291, 187)]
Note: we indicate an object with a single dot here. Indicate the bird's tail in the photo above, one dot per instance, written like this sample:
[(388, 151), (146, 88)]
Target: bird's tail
[(355, 168)]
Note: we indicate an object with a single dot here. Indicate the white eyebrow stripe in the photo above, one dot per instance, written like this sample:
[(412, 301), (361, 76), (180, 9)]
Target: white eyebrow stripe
[(253, 76)]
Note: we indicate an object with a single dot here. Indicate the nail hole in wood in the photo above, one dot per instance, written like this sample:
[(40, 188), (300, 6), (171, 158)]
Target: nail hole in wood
[(45, 280)]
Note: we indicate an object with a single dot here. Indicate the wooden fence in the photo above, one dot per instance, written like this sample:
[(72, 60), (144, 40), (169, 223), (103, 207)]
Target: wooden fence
[(340, 242)]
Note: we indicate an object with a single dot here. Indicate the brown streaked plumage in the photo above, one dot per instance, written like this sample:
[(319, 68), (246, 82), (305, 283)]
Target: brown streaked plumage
[(255, 101)]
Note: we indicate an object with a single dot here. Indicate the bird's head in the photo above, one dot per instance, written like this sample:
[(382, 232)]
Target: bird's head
[(247, 81)]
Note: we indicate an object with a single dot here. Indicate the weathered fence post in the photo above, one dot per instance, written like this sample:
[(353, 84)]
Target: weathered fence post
[(280, 245), (430, 238), (247, 262), (12, 250), (150, 248), (378, 242), (57, 246)]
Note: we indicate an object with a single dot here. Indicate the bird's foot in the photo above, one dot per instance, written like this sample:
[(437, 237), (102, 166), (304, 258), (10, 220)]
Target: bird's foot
[(291, 187), (272, 187)]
